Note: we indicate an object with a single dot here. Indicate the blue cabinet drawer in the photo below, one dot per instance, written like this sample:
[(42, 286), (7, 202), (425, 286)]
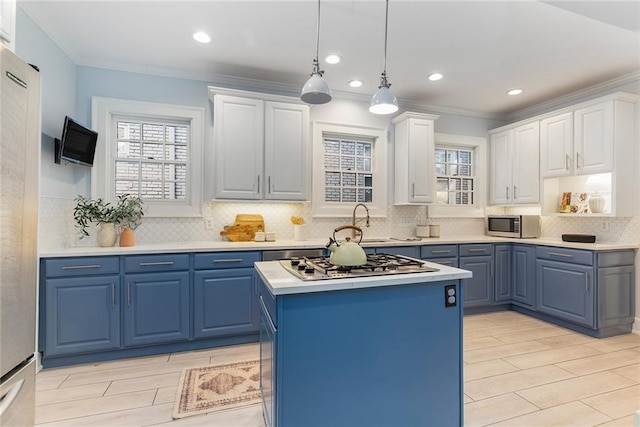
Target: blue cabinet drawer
[(476, 249), (438, 251), (574, 256), (86, 266), (153, 263), (215, 260)]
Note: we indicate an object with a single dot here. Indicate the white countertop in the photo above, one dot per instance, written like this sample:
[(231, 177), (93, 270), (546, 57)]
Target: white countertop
[(281, 282), (223, 246)]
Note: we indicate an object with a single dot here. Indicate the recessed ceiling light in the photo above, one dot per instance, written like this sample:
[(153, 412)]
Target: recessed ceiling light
[(333, 59), (356, 83), (435, 76), (201, 37), (514, 92)]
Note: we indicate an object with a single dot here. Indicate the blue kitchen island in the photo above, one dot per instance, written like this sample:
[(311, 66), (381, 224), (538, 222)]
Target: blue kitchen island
[(368, 351)]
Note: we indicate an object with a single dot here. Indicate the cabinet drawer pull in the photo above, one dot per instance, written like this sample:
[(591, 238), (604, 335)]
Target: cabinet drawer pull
[(441, 252), (113, 295), (228, 260), (150, 264), (477, 250), (81, 267), (562, 255)]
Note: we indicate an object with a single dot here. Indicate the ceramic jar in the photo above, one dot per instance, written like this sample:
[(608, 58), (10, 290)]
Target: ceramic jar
[(106, 235), (127, 238), (596, 203)]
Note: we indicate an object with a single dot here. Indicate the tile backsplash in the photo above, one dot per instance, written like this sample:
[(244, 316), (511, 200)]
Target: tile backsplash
[(57, 227)]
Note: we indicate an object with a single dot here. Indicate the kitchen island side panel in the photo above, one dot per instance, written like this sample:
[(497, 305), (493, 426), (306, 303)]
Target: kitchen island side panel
[(376, 357)]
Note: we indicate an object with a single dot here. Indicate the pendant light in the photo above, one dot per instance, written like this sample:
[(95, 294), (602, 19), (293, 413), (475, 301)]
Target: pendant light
[(316, 90), (383, 101)]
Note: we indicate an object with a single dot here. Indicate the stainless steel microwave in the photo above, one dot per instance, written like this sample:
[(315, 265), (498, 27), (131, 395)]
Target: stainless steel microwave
[(518, 226)]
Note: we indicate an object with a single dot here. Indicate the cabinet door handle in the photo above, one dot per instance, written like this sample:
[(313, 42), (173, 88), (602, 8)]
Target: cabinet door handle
[(81, 267), (228, 260), (441, 252), (562, 255), (491, 271), (128, 294), (514, 192), (577, 160), (507, 192), (566, 161), (258, 184), (113, 295), (413, 190), (586, 281), (269, 184), (150, 264)]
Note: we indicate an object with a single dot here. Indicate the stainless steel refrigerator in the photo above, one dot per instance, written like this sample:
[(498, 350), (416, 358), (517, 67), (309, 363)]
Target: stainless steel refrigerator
[(19, 154)]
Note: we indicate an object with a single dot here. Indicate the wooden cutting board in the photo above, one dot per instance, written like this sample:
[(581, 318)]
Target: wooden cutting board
[(244, 229)]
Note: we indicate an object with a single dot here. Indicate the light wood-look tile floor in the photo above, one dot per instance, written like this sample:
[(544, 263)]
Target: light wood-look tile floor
[(519, 371)]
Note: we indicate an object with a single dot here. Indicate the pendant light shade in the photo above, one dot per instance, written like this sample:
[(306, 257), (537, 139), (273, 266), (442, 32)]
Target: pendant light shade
[(316, 90), (384, 101)]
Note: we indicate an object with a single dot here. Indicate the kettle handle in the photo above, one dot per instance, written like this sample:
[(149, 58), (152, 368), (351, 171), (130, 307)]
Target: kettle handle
[(345, 227)]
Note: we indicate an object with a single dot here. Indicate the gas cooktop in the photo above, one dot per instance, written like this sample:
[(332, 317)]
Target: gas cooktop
[(320, 268)]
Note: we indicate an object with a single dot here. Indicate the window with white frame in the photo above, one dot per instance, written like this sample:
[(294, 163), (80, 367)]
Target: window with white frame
[(150, 150), (350, 165), (460, 165)]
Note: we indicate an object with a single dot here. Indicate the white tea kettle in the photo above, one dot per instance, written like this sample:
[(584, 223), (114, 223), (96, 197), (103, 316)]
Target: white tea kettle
[(347, 253)]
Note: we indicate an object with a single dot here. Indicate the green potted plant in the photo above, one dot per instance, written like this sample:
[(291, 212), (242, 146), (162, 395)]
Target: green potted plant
[(125, 215)]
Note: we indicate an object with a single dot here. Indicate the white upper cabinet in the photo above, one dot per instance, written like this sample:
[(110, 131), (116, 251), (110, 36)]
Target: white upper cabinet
[(514, 176), (415, 178), (8, 23), (261, 149), (578, 142)]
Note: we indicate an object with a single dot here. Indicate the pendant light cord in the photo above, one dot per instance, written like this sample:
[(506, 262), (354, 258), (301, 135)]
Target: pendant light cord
[(318, 33), (386, 24)]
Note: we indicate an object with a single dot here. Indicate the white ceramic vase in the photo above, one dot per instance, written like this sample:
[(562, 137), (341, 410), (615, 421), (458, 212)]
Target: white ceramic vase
[(106, 235), (299, 232), (596, 203)]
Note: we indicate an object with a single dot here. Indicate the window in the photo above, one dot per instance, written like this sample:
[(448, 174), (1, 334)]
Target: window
[(350, 168), (460, 170), (150, 150), (454, 174)]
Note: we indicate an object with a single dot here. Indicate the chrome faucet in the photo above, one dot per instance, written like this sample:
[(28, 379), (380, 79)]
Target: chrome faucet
[(353, 219)]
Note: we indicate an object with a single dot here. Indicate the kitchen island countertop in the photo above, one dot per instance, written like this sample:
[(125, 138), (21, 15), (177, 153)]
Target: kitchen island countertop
[(224, 246), (280, 282)]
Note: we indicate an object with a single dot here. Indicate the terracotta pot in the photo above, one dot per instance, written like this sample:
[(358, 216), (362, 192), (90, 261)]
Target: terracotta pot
[(106, 235), (127, 238)]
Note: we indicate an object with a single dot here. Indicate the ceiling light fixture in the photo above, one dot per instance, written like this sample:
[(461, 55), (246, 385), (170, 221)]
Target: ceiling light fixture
[(435, 76), (316, 90), (201, 37), (333, 59), (356, 83), (513, 92), (383, 101)]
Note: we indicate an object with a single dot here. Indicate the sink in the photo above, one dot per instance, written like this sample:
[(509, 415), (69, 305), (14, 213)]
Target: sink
[(374, 240)]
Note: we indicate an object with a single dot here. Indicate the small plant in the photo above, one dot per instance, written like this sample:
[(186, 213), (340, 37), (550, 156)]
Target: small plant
[(127, 212)]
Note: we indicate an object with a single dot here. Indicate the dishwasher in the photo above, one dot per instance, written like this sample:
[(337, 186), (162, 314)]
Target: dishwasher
[(278, 255)]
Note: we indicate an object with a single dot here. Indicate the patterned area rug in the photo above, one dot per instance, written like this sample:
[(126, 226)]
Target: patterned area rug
[(213, 388)]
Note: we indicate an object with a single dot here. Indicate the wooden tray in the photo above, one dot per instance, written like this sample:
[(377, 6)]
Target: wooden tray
[(244, 229)]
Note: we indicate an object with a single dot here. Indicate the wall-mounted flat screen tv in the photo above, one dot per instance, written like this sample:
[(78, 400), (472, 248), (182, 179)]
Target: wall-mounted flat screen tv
[(77, 145)]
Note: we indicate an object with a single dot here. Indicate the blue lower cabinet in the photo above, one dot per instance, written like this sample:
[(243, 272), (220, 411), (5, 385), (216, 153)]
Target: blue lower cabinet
[(82, 314), (225, 302), (268, 347), (478, 290), (566, 291), (502, 280), (156, 308), (523, 282)]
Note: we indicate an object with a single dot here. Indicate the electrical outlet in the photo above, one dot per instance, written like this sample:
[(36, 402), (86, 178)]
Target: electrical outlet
[(208, 223), (604, 226)]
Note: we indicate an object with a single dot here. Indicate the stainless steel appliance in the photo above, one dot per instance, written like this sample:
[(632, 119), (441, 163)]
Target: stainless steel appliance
[(320, 268), (518, 226), (19, 154)]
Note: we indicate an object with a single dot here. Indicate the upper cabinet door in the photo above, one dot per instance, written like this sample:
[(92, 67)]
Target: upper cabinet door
[(594, 139), (239, 142), (526, 166), (556, 146), (500, 171), (286, 157), (8, 23)]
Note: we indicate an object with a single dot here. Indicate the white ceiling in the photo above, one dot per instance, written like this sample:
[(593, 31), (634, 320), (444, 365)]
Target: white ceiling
[(483, 48)]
